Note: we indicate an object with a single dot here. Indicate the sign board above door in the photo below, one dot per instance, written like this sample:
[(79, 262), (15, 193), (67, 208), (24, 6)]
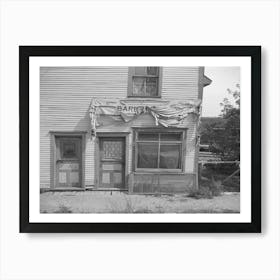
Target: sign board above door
[(165, 113)]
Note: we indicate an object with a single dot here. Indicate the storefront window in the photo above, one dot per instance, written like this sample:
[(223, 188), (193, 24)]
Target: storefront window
[(144, 82), (158, 150)]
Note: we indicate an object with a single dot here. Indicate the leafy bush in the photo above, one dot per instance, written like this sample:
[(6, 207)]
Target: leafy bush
[(227, 174)]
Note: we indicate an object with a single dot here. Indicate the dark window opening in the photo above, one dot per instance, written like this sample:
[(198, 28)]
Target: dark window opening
[(144, 82), (159, 150)]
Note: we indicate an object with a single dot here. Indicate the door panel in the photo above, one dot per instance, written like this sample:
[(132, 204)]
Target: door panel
[(112, 162), (68, 161)]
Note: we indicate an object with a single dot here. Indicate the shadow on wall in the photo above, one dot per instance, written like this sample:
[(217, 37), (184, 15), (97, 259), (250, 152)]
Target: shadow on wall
[(84, 123), (52, 160)]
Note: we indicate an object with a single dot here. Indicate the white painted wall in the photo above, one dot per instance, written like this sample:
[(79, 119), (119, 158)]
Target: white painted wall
[(65, 96)]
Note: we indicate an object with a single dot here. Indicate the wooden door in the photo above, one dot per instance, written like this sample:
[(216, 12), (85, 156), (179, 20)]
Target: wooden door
[(112, 162), (68, 161)]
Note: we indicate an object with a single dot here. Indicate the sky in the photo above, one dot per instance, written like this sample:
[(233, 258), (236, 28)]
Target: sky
[(222, 79)]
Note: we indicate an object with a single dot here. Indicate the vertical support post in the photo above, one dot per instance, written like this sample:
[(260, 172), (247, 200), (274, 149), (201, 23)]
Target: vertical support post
[(198, 175)]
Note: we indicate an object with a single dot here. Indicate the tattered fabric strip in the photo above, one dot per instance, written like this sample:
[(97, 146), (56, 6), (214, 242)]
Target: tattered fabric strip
[(167, 114)]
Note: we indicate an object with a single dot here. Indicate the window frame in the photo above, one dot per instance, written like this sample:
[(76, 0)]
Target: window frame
[(182, 143), (131, 74), (61, 134)]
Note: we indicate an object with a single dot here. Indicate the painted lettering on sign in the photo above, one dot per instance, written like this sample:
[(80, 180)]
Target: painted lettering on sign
[(132, 109)]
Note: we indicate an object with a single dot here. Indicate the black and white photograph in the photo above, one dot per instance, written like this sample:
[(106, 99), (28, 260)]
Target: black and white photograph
[(140, 139), (134, 135)]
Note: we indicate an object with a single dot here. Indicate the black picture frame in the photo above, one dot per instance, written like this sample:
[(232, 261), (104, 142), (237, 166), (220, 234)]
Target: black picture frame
[(254, 52)]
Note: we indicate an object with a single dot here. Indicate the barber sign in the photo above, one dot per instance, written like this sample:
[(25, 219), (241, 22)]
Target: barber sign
[(132, 109)]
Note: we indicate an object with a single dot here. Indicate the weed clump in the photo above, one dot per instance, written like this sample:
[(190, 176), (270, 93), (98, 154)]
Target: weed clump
[(213, 188), (63, 209)]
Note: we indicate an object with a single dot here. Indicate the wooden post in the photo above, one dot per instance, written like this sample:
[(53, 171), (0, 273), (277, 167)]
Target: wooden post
[(230, 176), (198, 176)]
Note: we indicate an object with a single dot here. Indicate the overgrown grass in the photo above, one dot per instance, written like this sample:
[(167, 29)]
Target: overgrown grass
[(130, 207), (221, 172), (63, 209), (207, 190), (118, 207)]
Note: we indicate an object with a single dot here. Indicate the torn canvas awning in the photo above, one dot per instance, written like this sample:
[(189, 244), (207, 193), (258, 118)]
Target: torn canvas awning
[(165, 113)]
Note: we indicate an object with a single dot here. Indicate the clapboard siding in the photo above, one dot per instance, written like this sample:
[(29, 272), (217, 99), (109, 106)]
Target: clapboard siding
[(180, 82), (65, 96)]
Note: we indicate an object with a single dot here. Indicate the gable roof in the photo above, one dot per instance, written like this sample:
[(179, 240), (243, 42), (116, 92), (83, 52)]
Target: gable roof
[(206, 81)]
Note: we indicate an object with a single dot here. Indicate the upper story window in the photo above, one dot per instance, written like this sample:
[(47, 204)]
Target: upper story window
[(144, 82)]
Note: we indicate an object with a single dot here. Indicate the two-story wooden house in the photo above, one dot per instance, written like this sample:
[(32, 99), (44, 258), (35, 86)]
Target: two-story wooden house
[(120, 128)]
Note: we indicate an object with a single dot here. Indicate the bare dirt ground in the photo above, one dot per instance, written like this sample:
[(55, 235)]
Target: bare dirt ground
[(105, 202)]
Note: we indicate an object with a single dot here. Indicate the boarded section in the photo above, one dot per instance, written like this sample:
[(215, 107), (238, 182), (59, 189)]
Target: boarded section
[(161, 183)]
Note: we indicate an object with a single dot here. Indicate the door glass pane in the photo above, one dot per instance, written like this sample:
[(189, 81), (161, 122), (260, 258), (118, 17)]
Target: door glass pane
[(112, 150), (147, 155), (170, 137), (139, 86), (148, 136), (69, 150), (170, 156)]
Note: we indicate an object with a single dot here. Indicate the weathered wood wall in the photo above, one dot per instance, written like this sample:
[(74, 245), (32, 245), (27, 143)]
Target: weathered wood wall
[(65, 96), (161, 183)]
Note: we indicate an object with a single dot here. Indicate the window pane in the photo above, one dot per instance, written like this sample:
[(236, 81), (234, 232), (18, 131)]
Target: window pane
[(140, 71), (69, 150), (148, 136), (152, 71), (139, 87), (170, 157), (170, 137), (151, 86), (112, 150), (147, 155)]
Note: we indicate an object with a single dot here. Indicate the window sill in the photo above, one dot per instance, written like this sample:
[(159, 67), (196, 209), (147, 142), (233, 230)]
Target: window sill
[(143, 97), (159, 171)]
